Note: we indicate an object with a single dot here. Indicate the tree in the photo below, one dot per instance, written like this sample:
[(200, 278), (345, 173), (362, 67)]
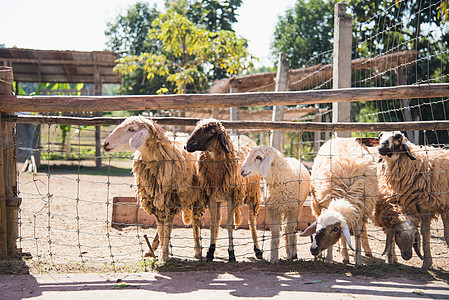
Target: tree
[(188, 54), (305, 31), (127, 34)]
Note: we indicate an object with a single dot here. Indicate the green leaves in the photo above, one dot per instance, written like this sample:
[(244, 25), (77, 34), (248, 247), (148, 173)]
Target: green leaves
[(189, 53)]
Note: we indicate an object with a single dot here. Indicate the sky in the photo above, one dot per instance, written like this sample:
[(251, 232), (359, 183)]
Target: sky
[(80, 25)]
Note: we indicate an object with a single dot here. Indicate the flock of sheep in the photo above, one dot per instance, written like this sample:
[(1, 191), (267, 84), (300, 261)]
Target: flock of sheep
[(401, 187)]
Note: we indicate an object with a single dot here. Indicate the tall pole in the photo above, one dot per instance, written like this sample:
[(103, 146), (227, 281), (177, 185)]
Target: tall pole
[(278, 110), (342, 63)]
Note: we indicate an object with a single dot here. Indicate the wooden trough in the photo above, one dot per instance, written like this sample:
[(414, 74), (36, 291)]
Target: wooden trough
[(126, 212)]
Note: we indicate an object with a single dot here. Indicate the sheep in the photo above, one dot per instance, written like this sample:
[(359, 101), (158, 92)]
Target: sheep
[(388, 215), (219, 175), (418, 178), (344, 190), (165, 174), (288, 184)]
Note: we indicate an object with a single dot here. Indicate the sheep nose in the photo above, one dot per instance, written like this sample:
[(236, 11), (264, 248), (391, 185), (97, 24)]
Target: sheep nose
[(105, 144)]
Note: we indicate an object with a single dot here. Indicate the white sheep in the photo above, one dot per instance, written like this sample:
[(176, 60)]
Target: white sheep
[(344, 190), (165, 176), (288, 184), (418, 178), (219, 175)]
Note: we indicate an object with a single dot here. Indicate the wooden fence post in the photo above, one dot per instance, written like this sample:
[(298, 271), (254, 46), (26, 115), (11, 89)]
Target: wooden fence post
[(8, 185), (342, 63), (97, 92), (234, 111), (278, 110)]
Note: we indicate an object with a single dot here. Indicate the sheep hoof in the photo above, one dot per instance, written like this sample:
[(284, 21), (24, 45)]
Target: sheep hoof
[(346, 261), (210, 253), (198, 256), (295, 256), (231, 256), (258, 253)]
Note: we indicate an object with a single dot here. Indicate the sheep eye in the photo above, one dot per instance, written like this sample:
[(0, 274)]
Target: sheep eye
[(335, 229), (213, 130), (258, 157), (131, 129)]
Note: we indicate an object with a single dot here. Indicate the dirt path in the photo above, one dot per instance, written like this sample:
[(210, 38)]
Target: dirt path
[(216, 285)]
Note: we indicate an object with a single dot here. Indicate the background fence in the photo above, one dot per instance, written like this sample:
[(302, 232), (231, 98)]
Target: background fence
[(65, 217)]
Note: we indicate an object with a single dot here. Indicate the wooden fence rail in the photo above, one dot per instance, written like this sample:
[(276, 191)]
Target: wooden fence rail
[(263, 125), (185, 101)]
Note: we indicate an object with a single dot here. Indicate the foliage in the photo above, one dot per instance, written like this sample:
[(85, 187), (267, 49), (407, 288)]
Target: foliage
[(305, 31), (128, 33), (188, 54)]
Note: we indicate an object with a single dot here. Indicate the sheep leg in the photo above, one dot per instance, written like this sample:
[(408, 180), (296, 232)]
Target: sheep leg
[(215, 220), (365, 243), (162, 228), (275, 227), (358, 244), (196, 224), (252, 226), (290, 233), (425, 232), (344, 250), (445, 218), (230, 225), (329, 255)]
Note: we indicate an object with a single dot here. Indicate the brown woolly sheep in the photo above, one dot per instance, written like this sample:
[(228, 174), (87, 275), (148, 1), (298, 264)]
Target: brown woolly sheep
[(344, 191), (399, 228), (288, 185), (219, 175), (165, 176), (418, 178)]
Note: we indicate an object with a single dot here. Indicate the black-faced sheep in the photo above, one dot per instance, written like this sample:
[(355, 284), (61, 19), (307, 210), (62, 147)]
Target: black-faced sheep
[(165, 176), (400, 229), (288, 184), (219, 175), (344, 190), (418, 178)]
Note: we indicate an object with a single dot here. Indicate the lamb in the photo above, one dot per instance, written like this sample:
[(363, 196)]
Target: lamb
[(388, 215), (219, 175), (288, 184), (344, 190), (165, 176), (418, 178)]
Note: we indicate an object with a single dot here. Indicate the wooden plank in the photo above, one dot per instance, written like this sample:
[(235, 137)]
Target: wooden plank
[(262, 125), (186, 101)]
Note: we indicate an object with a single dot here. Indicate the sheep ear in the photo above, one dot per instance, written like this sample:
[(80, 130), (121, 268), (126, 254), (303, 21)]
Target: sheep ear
[(222, 140), (137, 140), (266, 165), (406, 150), (347, 235), (309, 230), (388, 241)]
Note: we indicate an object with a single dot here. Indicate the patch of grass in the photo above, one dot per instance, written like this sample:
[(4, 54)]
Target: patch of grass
[(86, 170), (14, 267)]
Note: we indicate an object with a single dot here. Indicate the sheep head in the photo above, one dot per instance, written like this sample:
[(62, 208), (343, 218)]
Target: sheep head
[(391, 144), (257, 162), (329, 228), (130, 135), (205, 135), (406, 235)]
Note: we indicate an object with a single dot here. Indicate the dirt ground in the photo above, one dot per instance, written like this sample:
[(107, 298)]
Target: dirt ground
[(65, 223), (66, 220)]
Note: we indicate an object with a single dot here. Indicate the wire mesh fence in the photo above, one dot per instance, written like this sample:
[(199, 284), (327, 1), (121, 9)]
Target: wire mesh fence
[(67, 212)]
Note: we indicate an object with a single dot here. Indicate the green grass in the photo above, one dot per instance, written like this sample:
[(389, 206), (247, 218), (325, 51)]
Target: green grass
[(85, 170)]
